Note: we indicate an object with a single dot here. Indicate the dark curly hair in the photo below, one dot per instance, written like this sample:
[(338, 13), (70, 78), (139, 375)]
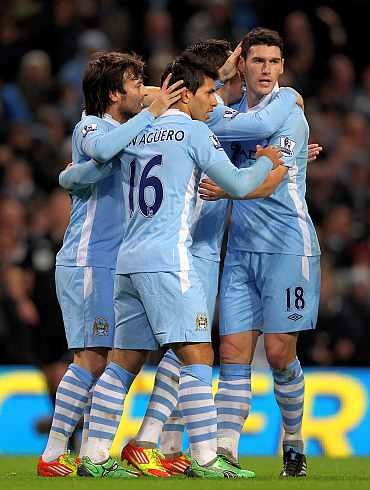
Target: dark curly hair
[(105, 74)]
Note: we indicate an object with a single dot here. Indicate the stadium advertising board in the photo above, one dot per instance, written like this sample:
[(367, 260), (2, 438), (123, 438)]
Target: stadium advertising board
[(336, 417)]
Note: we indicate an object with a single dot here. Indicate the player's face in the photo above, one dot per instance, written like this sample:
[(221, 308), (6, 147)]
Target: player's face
[(262, 69), (203, 101), (132, 101)]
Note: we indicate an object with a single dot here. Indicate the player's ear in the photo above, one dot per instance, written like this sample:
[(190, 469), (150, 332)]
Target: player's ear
[(241, 65), (115, 96), (186, 96), (282, 66)]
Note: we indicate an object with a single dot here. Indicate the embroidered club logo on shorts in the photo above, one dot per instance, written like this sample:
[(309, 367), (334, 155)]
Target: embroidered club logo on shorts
[(100, 327), (201, 322), (286, 145)]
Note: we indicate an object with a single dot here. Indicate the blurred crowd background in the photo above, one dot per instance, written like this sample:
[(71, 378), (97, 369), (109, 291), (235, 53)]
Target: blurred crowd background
[(44, 46)]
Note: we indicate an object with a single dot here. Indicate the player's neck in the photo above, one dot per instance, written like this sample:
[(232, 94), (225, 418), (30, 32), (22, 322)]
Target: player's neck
[(181, 107), (117, 115), (253, 98)]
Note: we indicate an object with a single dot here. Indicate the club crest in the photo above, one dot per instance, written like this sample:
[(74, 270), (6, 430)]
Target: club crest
[(100, 327)]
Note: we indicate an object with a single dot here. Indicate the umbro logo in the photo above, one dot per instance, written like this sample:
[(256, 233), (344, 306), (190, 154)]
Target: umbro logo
[(295, 317)]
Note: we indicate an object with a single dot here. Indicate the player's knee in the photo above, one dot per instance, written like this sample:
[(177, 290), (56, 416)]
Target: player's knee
[(93, 360), (201, 353), (98, 369), (277, 357), (231, 352)]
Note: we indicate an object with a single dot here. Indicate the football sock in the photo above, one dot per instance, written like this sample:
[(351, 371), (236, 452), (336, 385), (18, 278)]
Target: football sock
[(162, 401), (85, 428), (70, 400), (289, 394), (199, 411), (106, 410), (170, 442), (232, 400)]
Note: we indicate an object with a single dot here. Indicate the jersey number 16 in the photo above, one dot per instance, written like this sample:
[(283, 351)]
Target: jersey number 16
[(148, 209)]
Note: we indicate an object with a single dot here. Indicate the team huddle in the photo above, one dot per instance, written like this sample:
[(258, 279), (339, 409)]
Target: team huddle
[(156, 174)]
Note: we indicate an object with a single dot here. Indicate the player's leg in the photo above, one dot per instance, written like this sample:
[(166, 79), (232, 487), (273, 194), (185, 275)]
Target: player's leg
[(142, 451), (162, 402), (286, 314), (172, 433), (83, 293), (240, 317), (177, 310), (113, 385)]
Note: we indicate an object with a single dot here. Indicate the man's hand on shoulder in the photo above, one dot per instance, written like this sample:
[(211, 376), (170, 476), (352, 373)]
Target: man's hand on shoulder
[(300, 101)]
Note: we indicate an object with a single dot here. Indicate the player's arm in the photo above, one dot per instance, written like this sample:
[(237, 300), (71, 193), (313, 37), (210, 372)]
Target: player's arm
[(102, 145), (231, 125), (210, 191), (78, 176), (212, 159), (290, 140)]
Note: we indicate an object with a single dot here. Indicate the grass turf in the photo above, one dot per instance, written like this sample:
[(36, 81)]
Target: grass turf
[(324, 473)]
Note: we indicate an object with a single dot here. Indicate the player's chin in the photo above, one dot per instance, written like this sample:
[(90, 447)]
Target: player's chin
[(265, 89)]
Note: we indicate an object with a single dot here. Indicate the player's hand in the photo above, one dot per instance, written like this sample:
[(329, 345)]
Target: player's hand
[(271, 152), (229, 69), (150, 93), (300, 101), (69, 164), (210, 191), (314, 151), (168, 95)]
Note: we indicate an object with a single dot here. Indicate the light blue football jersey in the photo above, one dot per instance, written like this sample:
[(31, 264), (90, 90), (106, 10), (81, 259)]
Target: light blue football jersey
[(279, 223), (161, 170), (96, 225), (230, 125)]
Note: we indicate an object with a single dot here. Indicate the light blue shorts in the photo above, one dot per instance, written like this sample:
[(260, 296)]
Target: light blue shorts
[(273, 293), (160, 308), (85, 296), (208, 273)]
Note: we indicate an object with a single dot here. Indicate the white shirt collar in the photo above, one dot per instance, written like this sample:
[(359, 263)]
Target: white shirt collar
[(109, 118), (175, 112), (265, 100)]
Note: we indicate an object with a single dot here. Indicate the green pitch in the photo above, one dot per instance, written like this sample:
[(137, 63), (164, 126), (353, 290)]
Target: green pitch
[(324, 473)]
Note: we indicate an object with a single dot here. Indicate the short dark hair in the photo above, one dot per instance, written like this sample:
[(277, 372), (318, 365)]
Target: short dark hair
[(191, 69), (261, 36), (213, 51), (104, 74)]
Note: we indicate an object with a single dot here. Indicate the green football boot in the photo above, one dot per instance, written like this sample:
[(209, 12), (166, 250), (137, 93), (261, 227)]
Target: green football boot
[(242, 473), (109, 469), (219, 468)]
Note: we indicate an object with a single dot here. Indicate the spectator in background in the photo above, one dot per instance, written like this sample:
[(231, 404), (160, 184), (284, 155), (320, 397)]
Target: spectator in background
[(90, 41), (338, 90), (300, 49), (47, 337), (362, 98), (35, 79), (214, 22)]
